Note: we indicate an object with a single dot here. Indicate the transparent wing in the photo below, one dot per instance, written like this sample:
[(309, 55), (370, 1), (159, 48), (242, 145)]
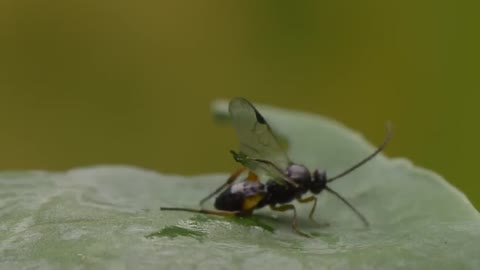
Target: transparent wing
[(256, 138), (263, 167), (257, 141)]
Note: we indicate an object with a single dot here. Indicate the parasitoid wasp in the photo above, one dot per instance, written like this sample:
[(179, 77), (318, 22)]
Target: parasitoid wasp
[(262, 155)]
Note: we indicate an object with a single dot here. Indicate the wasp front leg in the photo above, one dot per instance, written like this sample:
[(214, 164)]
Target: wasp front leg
[(287, 207), (312, 211)]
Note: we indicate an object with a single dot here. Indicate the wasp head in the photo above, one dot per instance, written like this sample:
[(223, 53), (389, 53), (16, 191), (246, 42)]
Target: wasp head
[(319, 182)]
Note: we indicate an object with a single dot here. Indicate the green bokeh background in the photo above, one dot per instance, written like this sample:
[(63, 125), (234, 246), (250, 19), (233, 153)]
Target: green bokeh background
[(97, 82)]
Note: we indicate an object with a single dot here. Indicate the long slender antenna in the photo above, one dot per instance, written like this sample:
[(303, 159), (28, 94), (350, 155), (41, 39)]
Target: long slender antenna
[(379, 149), (362, 217)]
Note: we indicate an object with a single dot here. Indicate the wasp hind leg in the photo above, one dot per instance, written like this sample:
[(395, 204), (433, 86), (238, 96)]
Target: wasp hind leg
[(209, 212), (287, 207), (312, 211)]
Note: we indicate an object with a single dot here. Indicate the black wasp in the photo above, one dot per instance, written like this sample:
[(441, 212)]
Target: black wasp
[(261, 154)]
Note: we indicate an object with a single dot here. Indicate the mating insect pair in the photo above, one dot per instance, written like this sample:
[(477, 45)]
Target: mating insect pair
[(261, 154)]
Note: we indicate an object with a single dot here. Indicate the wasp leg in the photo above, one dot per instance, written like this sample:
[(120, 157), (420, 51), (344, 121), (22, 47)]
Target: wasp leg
[(229, 181), (209, 212), (312, 211), (287, 207)]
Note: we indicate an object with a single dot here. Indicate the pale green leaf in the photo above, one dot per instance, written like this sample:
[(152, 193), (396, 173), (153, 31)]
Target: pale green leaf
[(109, 218)]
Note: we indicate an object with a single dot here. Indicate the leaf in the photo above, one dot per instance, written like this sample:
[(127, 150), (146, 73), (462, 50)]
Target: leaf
[(108, 217)]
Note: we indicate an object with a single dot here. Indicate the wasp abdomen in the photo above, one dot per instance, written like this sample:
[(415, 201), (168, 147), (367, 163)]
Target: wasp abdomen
[(238, 197)]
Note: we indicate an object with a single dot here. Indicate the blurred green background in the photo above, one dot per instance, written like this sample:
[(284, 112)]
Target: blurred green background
[(100, 82)]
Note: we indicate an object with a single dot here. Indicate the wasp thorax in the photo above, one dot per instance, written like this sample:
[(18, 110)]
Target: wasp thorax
[(319, 182), (300, 174)]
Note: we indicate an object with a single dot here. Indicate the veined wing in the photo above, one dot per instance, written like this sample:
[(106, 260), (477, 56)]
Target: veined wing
[(263, 167), (255, 135), (257, 141)]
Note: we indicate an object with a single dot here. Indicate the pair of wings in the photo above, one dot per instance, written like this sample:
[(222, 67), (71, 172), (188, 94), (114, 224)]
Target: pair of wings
[(260, 151)]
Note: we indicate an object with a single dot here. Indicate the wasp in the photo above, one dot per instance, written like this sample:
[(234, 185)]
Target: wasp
[(262, 155)]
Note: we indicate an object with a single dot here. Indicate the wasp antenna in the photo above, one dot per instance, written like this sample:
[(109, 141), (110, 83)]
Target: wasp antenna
[(362, 217), (365, 160)]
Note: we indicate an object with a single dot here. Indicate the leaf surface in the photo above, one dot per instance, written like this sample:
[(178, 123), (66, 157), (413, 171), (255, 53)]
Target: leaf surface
[(108, 218)]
